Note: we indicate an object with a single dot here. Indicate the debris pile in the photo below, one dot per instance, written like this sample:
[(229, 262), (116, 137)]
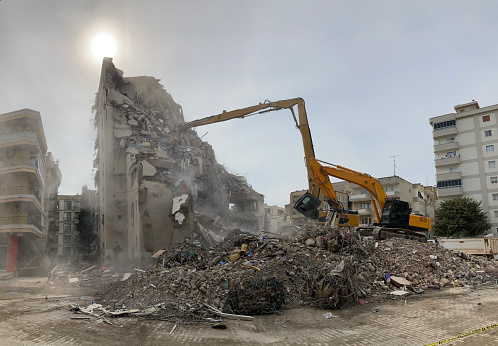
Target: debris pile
[(428, 264), (324, 268)]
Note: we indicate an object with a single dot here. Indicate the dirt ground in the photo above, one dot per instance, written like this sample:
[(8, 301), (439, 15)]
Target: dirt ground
[(34, 312)]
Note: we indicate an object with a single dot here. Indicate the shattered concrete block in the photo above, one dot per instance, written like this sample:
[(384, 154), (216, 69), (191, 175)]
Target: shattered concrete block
[(147, 169), (122, 130)]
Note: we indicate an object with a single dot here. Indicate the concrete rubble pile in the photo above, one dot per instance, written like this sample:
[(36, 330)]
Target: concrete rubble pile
[(430, 265)]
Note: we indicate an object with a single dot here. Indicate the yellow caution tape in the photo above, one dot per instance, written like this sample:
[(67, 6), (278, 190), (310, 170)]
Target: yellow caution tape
[(462, 335)]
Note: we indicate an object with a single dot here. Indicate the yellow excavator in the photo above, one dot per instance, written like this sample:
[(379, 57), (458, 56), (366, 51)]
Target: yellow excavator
[(394, 217)]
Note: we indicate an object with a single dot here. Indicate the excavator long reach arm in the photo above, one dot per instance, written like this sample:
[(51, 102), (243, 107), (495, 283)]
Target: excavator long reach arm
[(302, 125)]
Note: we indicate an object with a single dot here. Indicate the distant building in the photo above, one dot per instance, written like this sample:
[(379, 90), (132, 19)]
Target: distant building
[(67, 234), (466, 156), (24, 164), (276, 217)]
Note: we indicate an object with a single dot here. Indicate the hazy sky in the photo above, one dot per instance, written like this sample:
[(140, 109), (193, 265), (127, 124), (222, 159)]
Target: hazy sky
[(372, 73)]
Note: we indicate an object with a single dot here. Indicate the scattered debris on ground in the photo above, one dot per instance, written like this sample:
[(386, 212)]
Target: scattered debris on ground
[(250, 275)]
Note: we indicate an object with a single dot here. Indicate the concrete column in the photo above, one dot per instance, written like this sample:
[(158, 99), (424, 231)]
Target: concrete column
[(12, 254)]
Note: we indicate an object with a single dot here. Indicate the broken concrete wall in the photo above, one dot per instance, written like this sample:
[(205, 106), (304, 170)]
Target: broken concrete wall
[(147, 160)]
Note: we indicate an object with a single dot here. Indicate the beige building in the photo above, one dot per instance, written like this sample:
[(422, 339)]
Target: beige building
[(23, 162), (276, 217), (67, 235), (466, 156)]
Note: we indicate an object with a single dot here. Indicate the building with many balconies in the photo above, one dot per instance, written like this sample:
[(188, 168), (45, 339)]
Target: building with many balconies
[(67, 222), (23, 155), (465, 156)]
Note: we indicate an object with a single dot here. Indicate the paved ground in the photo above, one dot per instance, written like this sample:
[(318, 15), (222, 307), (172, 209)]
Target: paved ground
[(32, 315)]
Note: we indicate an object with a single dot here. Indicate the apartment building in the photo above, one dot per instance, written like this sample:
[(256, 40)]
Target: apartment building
[(465, 156), (276, 217), (67, 245), (420, 198), (23, 162)]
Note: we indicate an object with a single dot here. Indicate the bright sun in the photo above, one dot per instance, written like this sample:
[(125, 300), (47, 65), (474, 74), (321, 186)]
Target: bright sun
[(103, 46)]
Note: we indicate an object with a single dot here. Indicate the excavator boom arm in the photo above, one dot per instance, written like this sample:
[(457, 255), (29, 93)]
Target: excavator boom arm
[(315, 182), (364, 180)]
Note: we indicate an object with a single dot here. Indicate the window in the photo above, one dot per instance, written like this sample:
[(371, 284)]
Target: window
[(491, 164), (494, 180), (495, 198), (450, 140), (365, 206), (363, 192), (451, 154), (485, 118), (388, 188), (66, 240), (453, 169), (444, 124), (487, 133), (449, 183), (67, 217), (496, 213), (490, 148), (76, 216), (366, 220), (76, 204), (66, 228), (67, 205)]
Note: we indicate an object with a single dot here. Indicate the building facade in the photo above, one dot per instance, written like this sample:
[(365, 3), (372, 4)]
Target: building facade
[(276, 217), (23, 157), (67, 245), (466, 156)]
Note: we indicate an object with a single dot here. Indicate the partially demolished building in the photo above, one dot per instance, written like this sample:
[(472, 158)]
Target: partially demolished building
[(158, 184)]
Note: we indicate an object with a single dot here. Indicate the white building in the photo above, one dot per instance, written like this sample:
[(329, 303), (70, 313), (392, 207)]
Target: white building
[(466, 152)]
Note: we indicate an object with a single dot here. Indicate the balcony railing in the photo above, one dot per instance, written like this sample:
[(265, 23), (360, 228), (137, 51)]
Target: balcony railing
[(20, 190), (15, 129), (21, 220), (447, 161), (23, 162), (359, 197), (446, 146), (450, 191), (446, 131)]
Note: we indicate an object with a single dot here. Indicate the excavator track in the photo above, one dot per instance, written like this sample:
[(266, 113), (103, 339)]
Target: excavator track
[(381, 233)]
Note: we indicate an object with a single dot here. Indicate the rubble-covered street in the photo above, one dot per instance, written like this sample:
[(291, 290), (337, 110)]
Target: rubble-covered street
[(320, 287)]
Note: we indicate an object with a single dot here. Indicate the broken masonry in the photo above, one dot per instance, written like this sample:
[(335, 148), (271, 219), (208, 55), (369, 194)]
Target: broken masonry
[(158, 183)]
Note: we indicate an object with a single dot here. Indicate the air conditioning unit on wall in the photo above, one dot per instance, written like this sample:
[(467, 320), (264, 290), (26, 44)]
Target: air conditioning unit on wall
[(19, 206)]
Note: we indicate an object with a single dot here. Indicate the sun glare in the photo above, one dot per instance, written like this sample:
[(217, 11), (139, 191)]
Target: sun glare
[(103, 46)]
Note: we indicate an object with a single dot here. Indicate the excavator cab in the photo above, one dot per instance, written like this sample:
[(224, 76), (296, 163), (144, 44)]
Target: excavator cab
[(395, 213), (308, 205)]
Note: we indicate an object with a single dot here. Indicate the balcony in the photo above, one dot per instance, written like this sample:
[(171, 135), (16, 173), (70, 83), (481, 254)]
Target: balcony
[(360, 197), (450, 191), (446, 131), (445, 161), (365, 211), (448, 176), (393, 194), (23, 164), (24, 193), (446, 147), (21, 224)]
